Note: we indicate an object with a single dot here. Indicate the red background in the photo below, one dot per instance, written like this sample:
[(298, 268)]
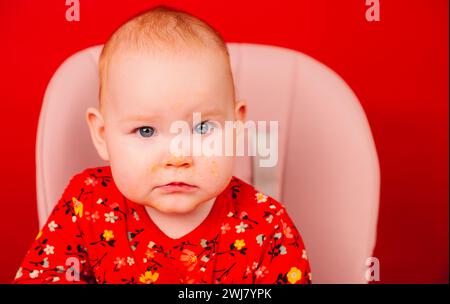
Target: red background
[(398, 68)]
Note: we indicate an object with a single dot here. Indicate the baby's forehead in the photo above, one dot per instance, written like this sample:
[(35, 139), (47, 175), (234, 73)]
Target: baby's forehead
[(196, 73), (187, 71), (169, 65), (162, 93)]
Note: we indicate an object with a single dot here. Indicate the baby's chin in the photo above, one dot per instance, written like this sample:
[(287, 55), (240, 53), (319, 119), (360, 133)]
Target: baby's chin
[(174, 205)]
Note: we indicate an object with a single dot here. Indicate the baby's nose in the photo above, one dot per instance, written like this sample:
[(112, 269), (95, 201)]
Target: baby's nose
[(179, 161)]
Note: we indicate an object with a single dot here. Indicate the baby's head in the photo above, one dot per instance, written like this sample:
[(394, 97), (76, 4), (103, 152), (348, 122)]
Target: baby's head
[(158, 68)]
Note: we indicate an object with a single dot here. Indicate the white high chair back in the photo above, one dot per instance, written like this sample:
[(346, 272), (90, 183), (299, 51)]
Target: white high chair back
[(327, 175)]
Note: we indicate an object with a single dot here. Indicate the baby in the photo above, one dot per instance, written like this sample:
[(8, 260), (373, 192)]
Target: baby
[(154, 216)]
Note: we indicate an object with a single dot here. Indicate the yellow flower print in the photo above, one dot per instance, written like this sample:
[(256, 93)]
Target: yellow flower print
[(148, 277), (39, 234), (294, 275), (239, 244), (77, 206), (108, 235), (261, 198)]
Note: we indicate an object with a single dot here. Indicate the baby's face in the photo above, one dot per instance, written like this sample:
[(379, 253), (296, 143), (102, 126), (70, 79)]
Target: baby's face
[(145, 94)]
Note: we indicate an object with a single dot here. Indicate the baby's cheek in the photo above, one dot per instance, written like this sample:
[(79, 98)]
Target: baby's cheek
[(154, 168), (213, 167), (218, 175), (219, 169), (129, 183)]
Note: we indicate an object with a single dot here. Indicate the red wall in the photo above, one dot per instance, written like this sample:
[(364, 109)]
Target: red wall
[(398, 67)]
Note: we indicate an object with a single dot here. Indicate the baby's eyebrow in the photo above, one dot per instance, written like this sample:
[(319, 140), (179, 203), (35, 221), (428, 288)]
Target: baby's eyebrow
[(138, 117), (142, 118), (213, 112)]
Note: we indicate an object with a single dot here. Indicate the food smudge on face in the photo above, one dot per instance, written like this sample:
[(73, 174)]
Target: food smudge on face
[(155, 168), (214, 168)]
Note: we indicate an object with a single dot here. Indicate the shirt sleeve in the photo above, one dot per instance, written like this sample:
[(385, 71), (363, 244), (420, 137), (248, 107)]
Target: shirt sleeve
[(58, 254), (283, 259)]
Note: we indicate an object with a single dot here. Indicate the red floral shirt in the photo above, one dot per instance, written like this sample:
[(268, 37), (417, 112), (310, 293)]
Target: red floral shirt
[(96, 235)]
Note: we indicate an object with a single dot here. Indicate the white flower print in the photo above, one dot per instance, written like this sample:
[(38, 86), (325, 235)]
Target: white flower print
[(94, 216), (45, 263), (260, 272), (90, 181), (34, 274), (99, 201), (241, 227), (52, 226), (119, 262), (224, 228), (130, 261), (304, 254), (277, 235), (260, 238), (19, 273), (136, 216), (110, 217), (49, 250), (255, 265), (151, 244)]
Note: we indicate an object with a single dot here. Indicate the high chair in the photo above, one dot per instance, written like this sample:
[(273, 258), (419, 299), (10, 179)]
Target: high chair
[(327, 175)]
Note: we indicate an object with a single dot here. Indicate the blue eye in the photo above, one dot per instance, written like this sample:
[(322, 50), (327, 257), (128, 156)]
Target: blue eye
[(146, 131), (204, 127)]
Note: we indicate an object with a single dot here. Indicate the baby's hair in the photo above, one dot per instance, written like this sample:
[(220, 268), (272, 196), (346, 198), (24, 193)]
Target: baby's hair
[(160, 29)]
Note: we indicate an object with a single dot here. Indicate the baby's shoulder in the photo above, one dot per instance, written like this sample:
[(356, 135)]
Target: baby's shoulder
[(92, 189), (255, 204), (91, 180), (93, 175)]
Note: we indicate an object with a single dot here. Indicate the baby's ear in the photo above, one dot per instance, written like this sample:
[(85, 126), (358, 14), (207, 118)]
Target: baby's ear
[(240, 110), (96, 125)]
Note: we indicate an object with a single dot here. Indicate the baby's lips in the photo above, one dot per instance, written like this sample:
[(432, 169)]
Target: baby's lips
[(176, 186)]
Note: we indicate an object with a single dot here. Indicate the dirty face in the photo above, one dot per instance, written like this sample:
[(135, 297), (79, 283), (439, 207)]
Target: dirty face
[(145, 95)]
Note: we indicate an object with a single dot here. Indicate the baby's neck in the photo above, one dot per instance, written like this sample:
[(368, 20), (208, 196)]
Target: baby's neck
[(177, 225)]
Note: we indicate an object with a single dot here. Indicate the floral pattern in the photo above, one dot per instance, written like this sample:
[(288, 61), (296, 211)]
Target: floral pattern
[(96, 235)]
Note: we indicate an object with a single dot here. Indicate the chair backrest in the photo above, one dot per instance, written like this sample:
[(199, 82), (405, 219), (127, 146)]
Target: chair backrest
[(327, 175)]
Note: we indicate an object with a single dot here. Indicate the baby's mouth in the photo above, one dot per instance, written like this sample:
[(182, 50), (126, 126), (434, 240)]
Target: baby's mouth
[(176, 187)]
